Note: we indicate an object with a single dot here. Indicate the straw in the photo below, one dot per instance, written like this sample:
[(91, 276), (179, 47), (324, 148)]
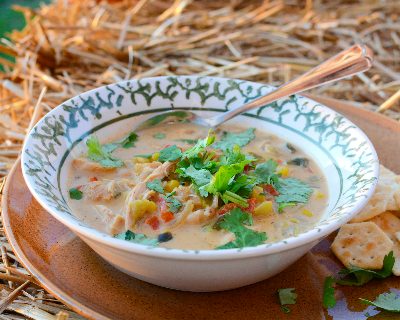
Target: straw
[(73, 46)]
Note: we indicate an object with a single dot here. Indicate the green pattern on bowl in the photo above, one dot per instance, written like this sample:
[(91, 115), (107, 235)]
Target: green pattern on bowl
[(348, 150)]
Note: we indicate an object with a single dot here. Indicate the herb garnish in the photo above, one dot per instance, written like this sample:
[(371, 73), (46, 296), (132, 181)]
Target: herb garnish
[(173, 203), (229, 139), (235, 222), (126, 143), (97, 153), (301, 162), (355, 276), (159, 135), (328, 300), (291, 192), (287, 296), (388, 301), (170, 153), (155, 185), (75, 194), (137, 238)]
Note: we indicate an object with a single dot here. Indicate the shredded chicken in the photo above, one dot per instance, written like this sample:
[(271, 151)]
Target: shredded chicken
[(139, 191), (105, 189), (203, 215), (115, 222)]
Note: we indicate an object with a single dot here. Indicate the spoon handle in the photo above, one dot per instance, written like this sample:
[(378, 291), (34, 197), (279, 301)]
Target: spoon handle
[(357, 58)]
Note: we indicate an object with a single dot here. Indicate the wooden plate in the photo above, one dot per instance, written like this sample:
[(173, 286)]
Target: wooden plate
[(71, 271)]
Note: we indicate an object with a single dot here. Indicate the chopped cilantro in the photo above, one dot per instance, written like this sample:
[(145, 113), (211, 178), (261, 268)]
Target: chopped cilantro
[(265, 172), (200, 145), (173, 203), (229, 139), (222, 178), (287, 296), (283, 205), (159, 135), (200, 178), (235, 222), (126, 143), (242, 185), (170, 153), (234, 155), (328, 299), (137, 238), (355, 276), (75, 194), (155, 185), (292, 190), (229, 196), (97, 153), (388, 301)]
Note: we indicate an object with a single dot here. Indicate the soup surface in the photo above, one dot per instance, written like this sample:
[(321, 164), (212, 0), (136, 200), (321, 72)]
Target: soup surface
[(183, 187)]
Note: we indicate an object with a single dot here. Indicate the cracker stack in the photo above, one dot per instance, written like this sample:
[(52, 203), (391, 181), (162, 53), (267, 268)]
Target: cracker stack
[(375, 231)]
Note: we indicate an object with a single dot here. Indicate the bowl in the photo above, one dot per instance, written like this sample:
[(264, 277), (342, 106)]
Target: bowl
[(343, 152)]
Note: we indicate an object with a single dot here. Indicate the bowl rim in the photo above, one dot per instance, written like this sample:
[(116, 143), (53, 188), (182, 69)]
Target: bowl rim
[(311, 236)]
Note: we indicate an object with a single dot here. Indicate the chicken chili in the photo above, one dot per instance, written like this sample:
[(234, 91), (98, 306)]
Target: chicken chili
[(183, 187)]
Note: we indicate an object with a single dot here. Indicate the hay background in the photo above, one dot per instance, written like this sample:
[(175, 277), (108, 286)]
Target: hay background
[(73, 46)]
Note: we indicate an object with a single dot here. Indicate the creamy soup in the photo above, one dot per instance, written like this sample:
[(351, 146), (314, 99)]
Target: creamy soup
[(183, 187)]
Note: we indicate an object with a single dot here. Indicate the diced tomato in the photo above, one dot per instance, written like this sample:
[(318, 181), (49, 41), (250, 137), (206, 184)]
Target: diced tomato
[(167, 216), (79, 188), (252, 205), (279, 161), (162, 204), (246, 168), (153, 222), (226, 208), (271, 190), (93, 179)]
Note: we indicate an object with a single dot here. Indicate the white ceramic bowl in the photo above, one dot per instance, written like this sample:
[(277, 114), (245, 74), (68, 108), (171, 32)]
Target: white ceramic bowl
[(344, 153)]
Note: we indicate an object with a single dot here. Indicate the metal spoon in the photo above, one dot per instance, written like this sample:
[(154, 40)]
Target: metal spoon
[(356, 59)]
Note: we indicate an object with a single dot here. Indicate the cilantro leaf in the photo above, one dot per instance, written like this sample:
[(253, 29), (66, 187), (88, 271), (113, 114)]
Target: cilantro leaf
[(200, 178), (75, 194), (287, 296), (220, 181), (173, 203), (283, 205), (242, 185), (137, 238), (235, 222), (126, 143), (265, 172), (328, 299), (200, 145), (102, 156), (234, 155), (388, 301), (155, 185), (229, 139), (170, 153), (355, 276), (159, 135), (129, 141), (229, 196), (293, 190)]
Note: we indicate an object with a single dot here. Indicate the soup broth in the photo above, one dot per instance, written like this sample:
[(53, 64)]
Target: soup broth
[(155, 188)]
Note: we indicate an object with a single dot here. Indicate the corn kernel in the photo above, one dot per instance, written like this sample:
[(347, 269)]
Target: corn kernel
[(139, 208), (319, 195), (294, 220), (155, 156), (257, 193), (140, 160), (264, 209), (307, 213), (171, 185), (284, 171)]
